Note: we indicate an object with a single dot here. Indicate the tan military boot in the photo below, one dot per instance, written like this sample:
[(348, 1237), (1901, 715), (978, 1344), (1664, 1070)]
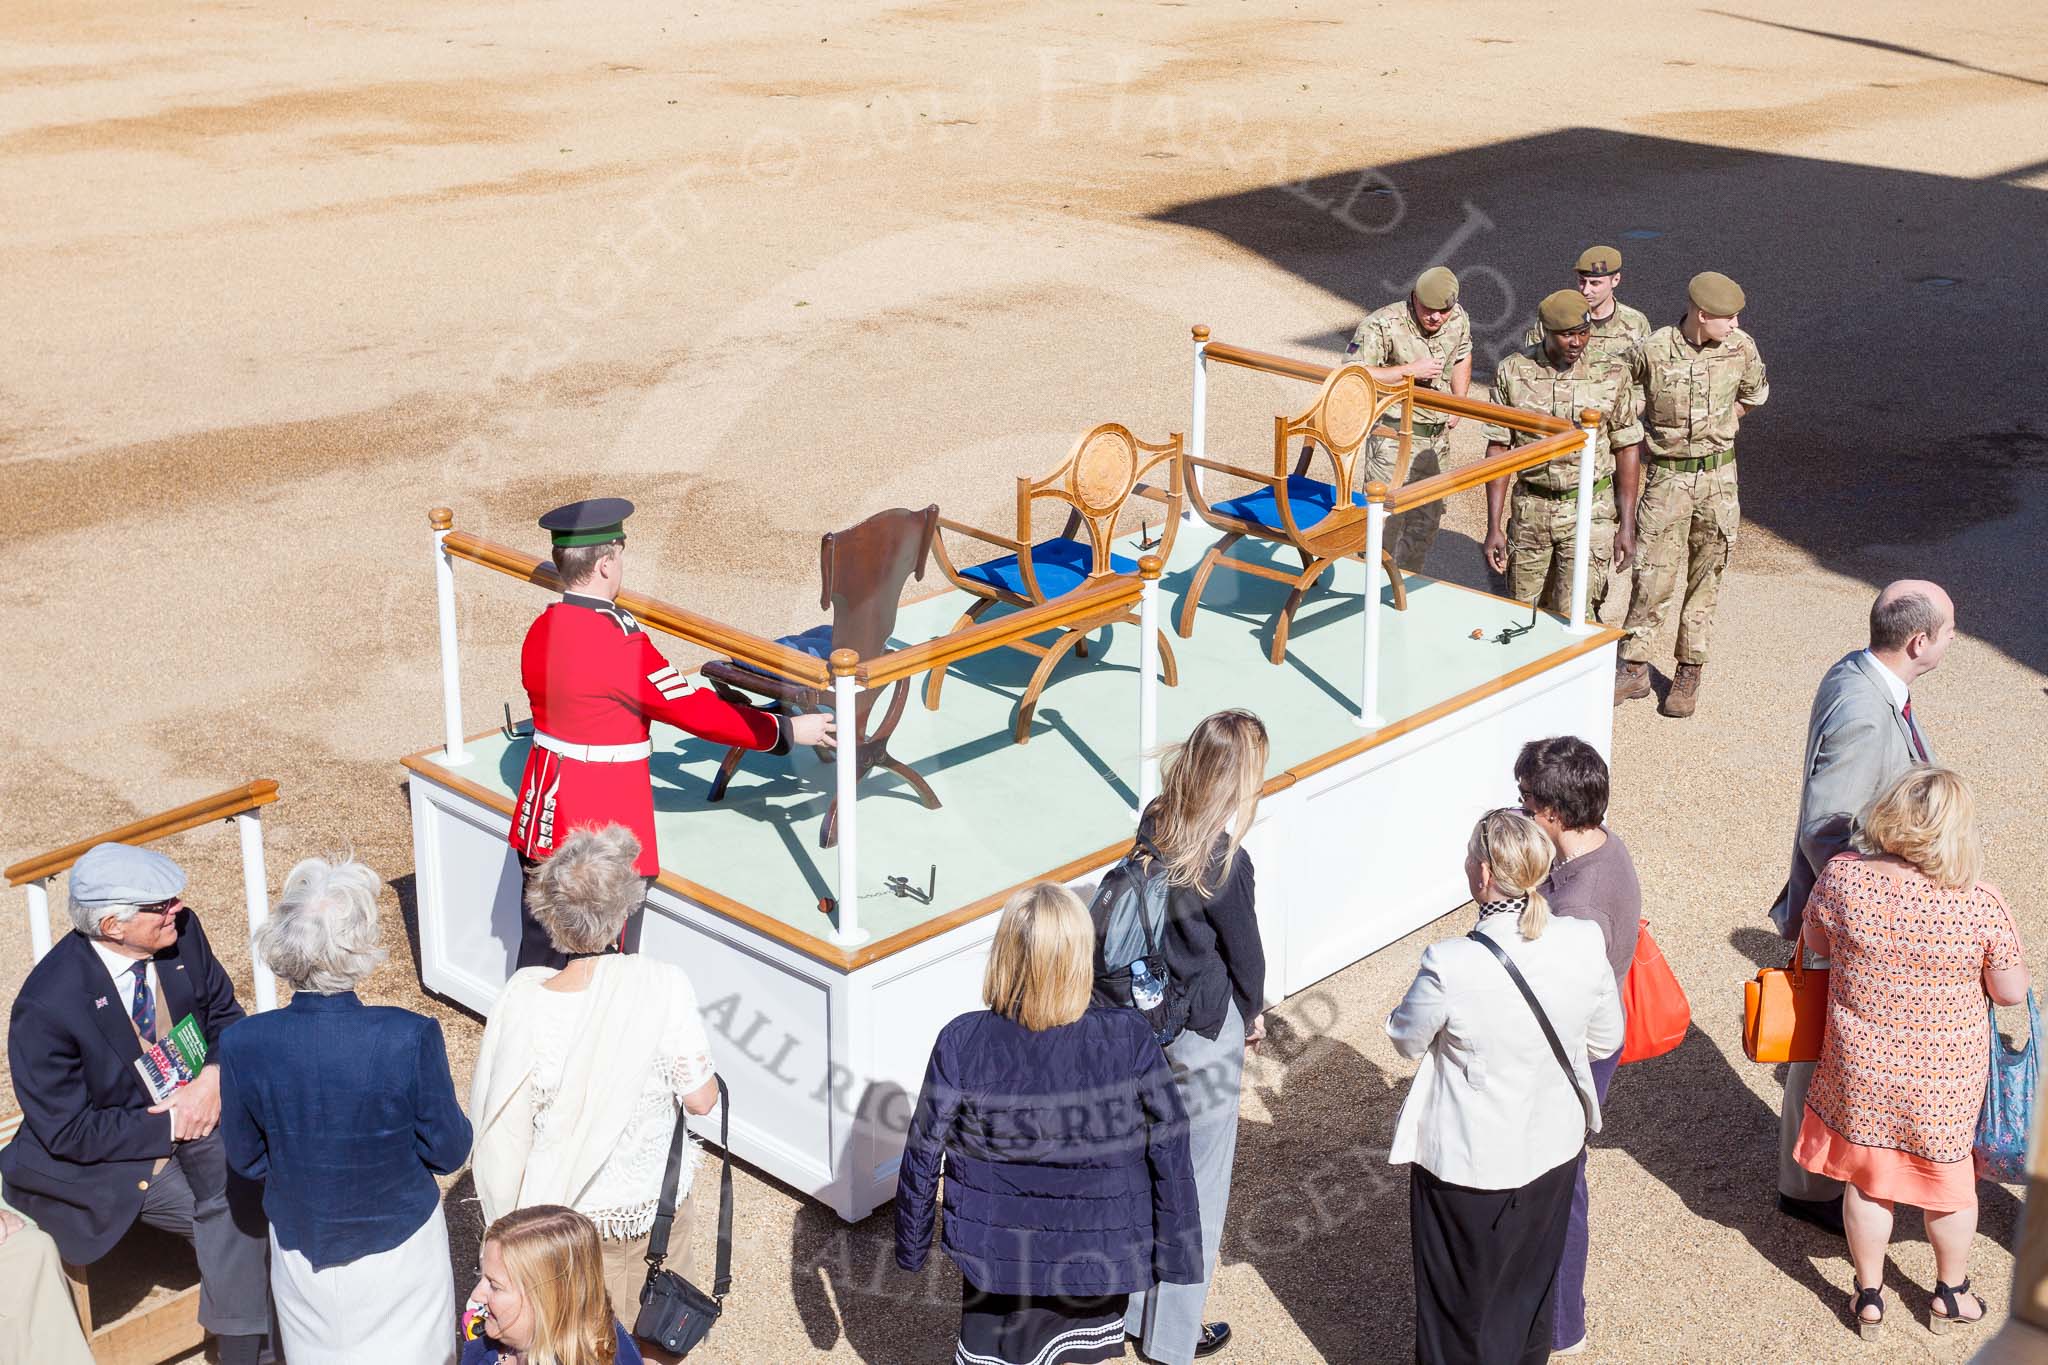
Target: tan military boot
[(1684, 697), (1631, 681)]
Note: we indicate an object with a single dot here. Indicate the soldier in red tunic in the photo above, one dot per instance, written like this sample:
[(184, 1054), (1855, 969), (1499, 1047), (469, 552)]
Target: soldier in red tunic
[(595, 682)]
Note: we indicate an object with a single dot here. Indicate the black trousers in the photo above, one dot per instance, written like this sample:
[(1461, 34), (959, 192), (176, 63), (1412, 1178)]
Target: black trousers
[(536, 949), (1486, 1267)]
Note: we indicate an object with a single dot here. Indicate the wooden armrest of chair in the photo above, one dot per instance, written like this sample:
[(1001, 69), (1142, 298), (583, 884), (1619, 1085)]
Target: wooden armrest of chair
[(945, 556), (1235, 471)]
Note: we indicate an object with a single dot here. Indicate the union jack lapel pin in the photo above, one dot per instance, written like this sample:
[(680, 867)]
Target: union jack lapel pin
[(99, 1002)]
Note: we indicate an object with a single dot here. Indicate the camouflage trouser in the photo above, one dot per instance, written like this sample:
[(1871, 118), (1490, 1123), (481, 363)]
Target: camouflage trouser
[(1409, 535), (1541, 539), (1685, 529)]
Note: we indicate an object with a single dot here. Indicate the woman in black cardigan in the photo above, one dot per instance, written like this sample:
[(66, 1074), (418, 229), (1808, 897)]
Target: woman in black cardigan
[(1209, 793), (1064, 1147)]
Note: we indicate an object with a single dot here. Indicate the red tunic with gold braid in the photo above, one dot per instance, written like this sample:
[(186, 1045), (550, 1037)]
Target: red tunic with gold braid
[(595, 681)]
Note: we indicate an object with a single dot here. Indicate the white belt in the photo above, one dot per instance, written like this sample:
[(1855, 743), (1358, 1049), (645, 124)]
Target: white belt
[(594, 753)]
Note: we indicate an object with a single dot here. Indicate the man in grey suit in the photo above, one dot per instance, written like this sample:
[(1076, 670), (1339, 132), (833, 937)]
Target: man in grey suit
[(1861, 734)]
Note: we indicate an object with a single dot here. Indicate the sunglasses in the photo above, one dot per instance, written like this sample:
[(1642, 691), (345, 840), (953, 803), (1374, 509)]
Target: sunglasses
[(160, 907)]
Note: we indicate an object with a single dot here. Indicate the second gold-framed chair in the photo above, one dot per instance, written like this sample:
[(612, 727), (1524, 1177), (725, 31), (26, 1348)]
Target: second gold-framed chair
[(1107, 467), (1290, 509)]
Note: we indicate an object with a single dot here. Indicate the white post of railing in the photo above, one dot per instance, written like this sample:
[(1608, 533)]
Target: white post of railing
[(1368, 717), (1149, 569), (256, 888), (1582, 532), (1198, 424), (846, 713), (453, 755), (38, 918)]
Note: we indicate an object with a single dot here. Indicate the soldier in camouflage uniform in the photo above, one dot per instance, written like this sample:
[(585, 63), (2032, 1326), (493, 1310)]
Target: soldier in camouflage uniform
[(1699, 379), (1617, 328), (1429, 336), (1560, 377)]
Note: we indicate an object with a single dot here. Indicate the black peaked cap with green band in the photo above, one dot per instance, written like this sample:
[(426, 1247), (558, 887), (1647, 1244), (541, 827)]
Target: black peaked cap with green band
[(594, 521)]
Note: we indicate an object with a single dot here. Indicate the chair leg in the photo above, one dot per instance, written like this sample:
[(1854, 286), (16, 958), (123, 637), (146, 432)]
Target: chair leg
[(829, 834), (727, 766), (934, 679), (1029, 703), (1167, 666), (1285, 620), (81, 1296), (1186, 624), (1398, 579), (909, 774)]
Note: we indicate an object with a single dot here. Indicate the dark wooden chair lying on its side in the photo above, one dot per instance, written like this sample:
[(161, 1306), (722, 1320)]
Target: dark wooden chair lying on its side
[(1106, 469), (1289, 508), (862, 572)]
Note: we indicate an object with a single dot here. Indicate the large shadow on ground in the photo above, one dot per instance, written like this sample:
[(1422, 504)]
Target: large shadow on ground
[(1897, 312)]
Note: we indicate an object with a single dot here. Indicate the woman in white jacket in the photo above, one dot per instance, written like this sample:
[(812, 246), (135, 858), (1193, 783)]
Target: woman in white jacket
[(582, 1069), (1496, 1118)]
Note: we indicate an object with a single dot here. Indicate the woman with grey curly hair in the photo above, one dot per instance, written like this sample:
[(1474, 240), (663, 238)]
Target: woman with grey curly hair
[(346, 1113), (582, 1069)]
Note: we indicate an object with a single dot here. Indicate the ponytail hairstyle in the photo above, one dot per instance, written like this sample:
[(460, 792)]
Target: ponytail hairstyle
[(1518, 854)]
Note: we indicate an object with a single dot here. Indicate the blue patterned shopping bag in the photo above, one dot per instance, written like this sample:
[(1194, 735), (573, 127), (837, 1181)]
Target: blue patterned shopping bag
[(2009, 1102)]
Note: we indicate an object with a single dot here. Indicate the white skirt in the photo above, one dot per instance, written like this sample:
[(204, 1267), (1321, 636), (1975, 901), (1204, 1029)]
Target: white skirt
[(396, 1305)]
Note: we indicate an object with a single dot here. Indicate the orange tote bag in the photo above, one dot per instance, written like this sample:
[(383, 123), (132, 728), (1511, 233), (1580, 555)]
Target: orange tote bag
[(1785, 1012), (1657, 1010)]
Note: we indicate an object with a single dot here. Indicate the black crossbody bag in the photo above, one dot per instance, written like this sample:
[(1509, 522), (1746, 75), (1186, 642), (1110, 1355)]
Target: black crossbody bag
[(1549, 1034), (674, 1314)]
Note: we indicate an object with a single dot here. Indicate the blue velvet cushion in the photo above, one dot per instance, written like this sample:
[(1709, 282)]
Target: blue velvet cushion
[(1060, 565), (1310, 499), (816, 642)]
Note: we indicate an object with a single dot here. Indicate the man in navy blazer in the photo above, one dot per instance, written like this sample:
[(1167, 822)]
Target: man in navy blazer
[(96, 1150), (1860, 736)]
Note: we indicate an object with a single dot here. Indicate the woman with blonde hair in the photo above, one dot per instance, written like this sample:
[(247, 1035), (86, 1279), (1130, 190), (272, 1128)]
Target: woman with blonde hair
[(583, 1069), (1916, 943), (540, 1297), (1064, 1149), (1506, 1022), (1209, 794)]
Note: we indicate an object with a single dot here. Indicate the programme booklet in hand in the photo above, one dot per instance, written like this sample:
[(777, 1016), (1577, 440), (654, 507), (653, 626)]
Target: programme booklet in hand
[(175, 1061)]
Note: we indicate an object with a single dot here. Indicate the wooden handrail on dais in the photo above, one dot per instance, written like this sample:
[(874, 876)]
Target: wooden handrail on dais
[(1089, 600), (651, 612), (1558, 436), (220, 806)]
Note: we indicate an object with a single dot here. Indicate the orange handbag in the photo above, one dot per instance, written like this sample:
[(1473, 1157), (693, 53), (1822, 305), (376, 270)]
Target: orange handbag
[(1658, 1013), (1785, 1012)]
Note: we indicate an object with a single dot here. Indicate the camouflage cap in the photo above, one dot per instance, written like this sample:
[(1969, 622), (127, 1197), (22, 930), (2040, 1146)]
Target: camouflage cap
[(1436, 287), (1563, 311), (1715, 294), (1599, 260)]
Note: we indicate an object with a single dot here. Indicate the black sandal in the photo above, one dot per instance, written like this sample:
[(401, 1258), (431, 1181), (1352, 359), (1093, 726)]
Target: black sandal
[(1951, 1314), (1868, 1298)]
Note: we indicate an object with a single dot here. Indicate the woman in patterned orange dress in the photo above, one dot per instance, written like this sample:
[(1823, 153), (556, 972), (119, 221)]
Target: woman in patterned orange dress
[(1916, 943)]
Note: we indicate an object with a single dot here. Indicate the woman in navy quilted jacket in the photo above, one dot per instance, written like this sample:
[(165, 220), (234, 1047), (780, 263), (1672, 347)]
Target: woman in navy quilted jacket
[(1064, 1146)]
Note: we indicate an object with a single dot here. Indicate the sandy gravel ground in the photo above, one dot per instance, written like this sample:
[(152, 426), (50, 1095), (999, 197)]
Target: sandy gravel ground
[(281, 279)]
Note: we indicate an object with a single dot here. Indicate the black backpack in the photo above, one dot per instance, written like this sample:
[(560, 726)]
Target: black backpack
[(1130, 910)]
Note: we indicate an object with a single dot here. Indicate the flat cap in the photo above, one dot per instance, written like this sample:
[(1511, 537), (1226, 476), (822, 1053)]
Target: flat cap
[(1715, 294), (594, 521), (1436, 287), (1563, 311), (119, 874)]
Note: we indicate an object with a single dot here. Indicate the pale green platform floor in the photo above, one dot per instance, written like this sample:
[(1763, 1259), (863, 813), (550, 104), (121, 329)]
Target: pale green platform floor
[(1012, 812)]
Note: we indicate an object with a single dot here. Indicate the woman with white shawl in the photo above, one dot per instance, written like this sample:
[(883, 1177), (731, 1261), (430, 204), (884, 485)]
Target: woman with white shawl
[(581, 1069)]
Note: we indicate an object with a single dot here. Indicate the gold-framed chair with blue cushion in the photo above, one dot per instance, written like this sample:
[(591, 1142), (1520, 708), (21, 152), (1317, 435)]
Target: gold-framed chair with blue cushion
[(1288, 507), (1105, 470)]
